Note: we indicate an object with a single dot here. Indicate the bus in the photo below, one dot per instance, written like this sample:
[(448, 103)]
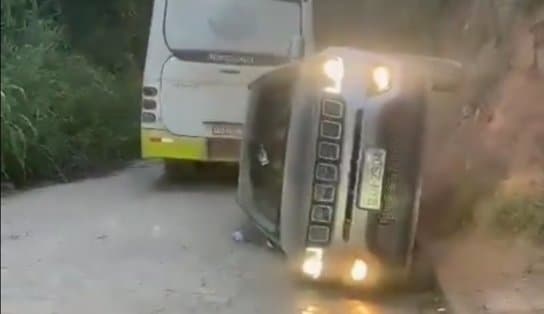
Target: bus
[(201, 56)]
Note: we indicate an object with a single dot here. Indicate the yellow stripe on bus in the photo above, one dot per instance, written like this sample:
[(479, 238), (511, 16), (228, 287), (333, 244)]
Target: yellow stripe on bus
[(163, 145)]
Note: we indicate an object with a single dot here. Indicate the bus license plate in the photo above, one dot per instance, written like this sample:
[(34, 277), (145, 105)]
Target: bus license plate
[(371, 187), (227, 130)]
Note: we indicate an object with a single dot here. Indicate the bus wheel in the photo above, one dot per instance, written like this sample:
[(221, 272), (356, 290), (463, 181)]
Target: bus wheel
[(178, 169)]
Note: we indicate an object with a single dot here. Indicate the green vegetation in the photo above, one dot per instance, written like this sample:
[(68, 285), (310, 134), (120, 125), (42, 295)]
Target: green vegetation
[(520, 215), (65, 110)]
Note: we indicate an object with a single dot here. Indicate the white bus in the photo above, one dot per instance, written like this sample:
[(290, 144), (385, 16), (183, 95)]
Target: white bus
[(201, 56)]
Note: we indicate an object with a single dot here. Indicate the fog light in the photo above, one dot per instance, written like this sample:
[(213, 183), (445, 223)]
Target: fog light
[(313, 263), (359, 270)]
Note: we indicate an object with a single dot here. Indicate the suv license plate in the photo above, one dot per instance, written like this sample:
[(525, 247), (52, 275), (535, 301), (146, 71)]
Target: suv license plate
[(371, 186)]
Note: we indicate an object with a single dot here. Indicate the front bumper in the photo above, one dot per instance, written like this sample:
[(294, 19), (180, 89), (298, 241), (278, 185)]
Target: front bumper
[(161, 144), (338, 266)]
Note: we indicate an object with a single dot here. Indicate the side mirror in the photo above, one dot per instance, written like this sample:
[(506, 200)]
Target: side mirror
[(296, 47), (446, 76)]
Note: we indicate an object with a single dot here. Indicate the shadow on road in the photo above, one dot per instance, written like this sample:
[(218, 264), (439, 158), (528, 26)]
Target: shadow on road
[(210, 176), (359, 301)]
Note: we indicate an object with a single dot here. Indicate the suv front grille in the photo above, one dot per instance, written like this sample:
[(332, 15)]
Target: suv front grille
[(330, 130), (326, 171), (328, 151), (319, 234)]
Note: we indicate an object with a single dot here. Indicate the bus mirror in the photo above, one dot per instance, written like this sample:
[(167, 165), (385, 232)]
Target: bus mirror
[(296, 47)]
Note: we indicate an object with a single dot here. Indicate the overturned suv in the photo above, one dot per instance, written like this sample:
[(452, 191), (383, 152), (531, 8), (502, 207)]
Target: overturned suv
[(330, 161)]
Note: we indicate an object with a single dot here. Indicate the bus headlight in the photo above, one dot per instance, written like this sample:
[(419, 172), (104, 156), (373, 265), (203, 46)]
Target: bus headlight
[(312, 266), (334, 70), (381, 77), (359, 270)]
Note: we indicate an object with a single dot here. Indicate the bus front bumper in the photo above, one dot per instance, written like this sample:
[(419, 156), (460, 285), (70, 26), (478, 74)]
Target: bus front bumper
[(161, 144)]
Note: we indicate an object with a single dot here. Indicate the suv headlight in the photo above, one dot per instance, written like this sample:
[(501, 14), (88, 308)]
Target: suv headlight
[(381, 80), (359, 270), (312, 265), (334, 70)]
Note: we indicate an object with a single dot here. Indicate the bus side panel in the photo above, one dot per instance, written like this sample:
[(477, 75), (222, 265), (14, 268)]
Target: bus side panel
[(157, 53)]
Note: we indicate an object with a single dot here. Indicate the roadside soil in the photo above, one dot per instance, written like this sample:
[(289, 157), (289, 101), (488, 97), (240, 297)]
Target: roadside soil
[(487, 146)]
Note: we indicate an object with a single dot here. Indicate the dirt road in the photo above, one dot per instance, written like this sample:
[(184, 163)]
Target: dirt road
[(130, 243)]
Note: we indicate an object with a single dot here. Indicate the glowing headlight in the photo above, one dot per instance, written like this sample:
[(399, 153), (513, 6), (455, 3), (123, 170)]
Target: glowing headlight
[(359, 270), (334, 70), (313, 262), (381, 77)]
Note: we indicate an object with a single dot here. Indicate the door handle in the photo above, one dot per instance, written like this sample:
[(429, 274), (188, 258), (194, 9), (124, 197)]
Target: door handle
[(262, 156)]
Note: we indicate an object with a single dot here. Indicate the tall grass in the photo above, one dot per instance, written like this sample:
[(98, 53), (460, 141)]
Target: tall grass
[(522, 215), (60, 115)]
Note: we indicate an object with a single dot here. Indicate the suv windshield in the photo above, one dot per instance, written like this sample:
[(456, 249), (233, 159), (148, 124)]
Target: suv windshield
[(250, 32)]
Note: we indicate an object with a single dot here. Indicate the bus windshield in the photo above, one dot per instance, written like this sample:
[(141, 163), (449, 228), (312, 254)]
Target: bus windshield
[(253, 32)]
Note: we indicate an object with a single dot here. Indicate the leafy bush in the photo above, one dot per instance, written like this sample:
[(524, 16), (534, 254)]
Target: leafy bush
[(521, 216), (60, 115), (120, 25)]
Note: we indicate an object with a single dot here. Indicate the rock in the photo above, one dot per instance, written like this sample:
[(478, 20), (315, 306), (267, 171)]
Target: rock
[(249, 233), (238, 236)]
